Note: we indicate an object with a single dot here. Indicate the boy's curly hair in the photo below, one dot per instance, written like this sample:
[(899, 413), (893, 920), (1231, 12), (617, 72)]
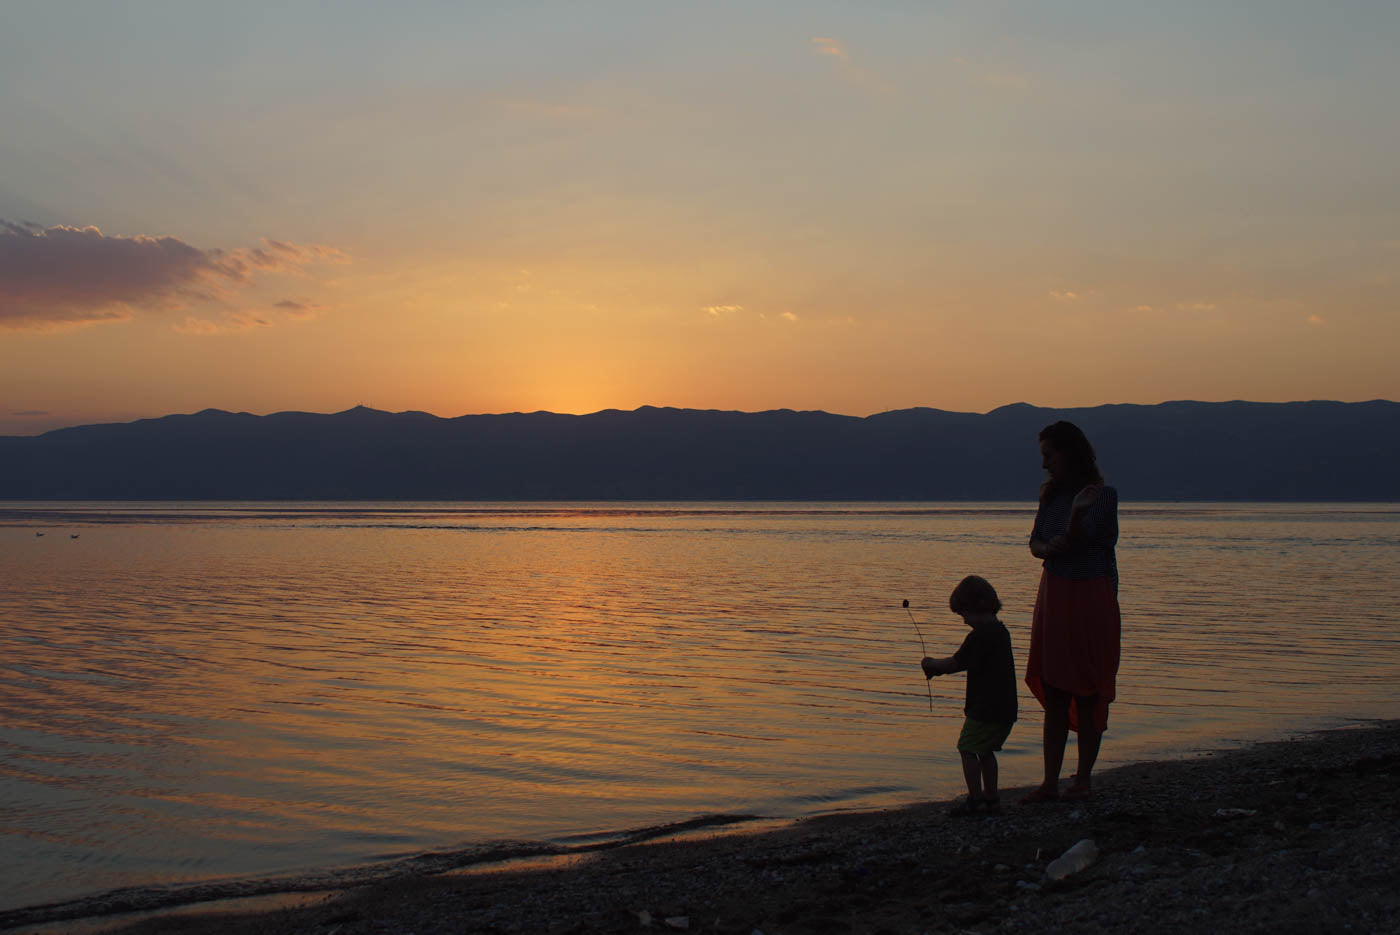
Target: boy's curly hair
[(974, 594)]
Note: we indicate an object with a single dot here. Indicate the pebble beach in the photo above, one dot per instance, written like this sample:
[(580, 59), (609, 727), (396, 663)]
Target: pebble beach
[(1298, 835)]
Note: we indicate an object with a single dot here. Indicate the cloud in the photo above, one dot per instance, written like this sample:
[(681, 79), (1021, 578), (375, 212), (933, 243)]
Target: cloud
[(1007, 81), (1316, 320), (231, 324), (999, 78), (1065, 294), (729, 311), (824, 46), (548, 110), (63, 277), (833, 48), (1144, 308), (297, 308)]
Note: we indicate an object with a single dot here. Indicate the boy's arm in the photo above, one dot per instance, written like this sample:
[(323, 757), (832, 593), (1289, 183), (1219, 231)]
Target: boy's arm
[(934, 667)]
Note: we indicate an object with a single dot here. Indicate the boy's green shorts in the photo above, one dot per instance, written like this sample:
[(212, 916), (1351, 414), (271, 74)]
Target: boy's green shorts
[(982, 736)]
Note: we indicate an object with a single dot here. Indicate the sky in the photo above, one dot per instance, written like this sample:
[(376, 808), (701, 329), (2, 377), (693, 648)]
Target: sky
[(468, 207)]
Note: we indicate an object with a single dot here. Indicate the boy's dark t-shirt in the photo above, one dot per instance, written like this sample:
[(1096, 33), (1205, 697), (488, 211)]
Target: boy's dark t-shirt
[(991, 673)]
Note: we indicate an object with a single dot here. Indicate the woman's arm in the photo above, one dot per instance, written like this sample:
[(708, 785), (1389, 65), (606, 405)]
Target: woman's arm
[(1095, 520), (1083, 502), (1084, 525), (1039, 544)]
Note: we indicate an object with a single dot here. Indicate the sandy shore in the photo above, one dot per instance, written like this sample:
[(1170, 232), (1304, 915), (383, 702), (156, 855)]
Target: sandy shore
[(1294, 836)]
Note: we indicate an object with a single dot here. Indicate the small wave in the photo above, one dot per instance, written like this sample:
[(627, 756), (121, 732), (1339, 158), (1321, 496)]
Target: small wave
[(154, 898), (845, 795)]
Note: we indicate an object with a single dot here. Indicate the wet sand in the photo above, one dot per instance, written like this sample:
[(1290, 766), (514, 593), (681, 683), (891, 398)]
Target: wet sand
[(1300, 836)]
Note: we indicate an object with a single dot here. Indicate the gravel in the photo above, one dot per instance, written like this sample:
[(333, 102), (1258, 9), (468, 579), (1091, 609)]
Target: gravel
[(1291, 836)]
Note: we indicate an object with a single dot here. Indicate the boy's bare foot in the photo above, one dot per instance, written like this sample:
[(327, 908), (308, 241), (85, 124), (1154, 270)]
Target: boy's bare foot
[(967, 807)]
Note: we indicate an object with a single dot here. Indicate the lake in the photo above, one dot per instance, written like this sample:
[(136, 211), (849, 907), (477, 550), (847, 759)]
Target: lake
[(197, 691)]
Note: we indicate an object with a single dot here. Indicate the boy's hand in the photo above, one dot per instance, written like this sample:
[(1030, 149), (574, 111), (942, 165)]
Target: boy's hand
[(928, 664)]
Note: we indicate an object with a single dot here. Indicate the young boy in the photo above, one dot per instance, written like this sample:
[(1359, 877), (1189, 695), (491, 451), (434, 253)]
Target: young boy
[(991, 691)]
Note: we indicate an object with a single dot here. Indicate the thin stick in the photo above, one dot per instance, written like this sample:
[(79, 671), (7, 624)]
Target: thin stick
[(916, 627), (928, 684)]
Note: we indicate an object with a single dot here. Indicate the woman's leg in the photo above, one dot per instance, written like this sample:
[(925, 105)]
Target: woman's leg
[(1089, 740), (1055, 735), (1053, 739)]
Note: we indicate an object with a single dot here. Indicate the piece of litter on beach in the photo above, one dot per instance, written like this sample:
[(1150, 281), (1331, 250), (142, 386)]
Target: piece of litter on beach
[(1073, 860), (678, 922)]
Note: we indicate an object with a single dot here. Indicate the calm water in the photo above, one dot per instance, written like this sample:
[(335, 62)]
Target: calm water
[(197, 691)]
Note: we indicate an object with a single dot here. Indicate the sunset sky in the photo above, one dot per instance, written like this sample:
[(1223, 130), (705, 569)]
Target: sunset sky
[(469, 207)]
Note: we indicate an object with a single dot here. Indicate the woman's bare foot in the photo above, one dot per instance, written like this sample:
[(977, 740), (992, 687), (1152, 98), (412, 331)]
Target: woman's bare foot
[(1041, 794), (1077, 791)]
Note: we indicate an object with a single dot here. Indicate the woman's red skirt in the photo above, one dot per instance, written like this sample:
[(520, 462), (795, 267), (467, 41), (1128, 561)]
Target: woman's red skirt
[(1075, 642)]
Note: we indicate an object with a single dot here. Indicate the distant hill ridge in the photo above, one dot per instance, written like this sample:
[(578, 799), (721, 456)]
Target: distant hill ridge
[(1321, 451)]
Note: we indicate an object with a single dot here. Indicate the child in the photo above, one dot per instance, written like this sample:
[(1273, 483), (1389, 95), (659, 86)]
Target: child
[(991, 690)]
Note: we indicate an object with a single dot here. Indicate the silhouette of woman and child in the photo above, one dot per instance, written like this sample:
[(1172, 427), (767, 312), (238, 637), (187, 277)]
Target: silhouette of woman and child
[(1075, 632)]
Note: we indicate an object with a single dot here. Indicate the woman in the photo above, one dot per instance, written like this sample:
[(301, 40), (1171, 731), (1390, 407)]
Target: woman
[(1073, 661)]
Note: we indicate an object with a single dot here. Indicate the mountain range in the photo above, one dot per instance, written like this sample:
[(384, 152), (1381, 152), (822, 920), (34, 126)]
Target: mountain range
[(1312, 451)]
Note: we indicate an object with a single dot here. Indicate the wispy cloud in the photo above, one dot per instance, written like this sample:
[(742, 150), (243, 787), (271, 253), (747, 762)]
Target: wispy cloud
[(1316, 320), (548, 110), (833, 47), (297, 308), (1066, 295), (63, 277), (836, 49), (1007, 81), (720, 311), (229, 324), (999, 78)]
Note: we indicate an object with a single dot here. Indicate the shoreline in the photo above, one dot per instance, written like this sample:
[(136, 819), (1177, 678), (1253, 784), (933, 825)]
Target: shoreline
[(157, 899), (1301, 834)]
